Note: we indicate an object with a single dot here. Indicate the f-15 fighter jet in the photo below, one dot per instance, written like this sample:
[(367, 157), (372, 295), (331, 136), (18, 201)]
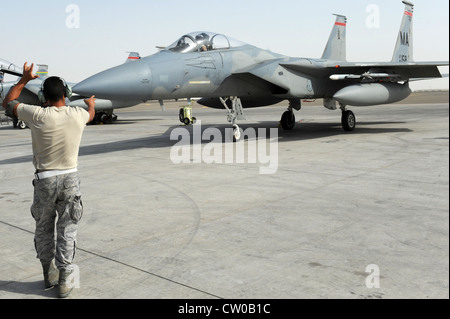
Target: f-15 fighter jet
[(234, 75)]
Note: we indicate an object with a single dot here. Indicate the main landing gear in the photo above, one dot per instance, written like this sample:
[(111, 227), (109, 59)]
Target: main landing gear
[(288, 118), (234, 108), (104, 117), (348, 119)]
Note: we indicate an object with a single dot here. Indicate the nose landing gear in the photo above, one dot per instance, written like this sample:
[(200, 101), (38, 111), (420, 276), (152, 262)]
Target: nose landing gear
[(235, 113)]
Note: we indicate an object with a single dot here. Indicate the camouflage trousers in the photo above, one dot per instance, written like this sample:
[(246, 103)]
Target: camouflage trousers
[(57, 200)]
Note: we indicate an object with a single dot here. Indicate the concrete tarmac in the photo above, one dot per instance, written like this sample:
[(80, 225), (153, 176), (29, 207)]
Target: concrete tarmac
[(311, 213)]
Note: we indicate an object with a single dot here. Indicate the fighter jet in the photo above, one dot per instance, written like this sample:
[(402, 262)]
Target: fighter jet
[(10, 68), (233, 75), (104, 108)]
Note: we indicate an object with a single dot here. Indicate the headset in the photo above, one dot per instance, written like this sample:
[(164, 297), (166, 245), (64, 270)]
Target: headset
[(67, 91)]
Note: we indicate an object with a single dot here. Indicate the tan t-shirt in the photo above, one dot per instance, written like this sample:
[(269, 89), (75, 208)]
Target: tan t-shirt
[(56, 134)]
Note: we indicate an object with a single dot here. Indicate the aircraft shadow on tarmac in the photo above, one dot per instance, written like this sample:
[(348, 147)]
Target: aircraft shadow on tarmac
[(303, 131), (124, 122)]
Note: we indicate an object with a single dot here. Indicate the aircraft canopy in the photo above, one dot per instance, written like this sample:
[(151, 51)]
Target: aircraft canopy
[(203, 41)]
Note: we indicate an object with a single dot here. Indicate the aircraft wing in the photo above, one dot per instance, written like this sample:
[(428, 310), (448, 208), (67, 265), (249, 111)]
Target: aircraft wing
[(269, 75), (389, 70)]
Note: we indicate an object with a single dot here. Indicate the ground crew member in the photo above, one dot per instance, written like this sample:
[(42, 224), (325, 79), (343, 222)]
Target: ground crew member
[(56, 132)]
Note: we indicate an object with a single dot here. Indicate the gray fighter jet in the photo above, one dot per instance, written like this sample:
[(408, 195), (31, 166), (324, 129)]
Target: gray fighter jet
[(104, 108), (233, 75), (10, 68)]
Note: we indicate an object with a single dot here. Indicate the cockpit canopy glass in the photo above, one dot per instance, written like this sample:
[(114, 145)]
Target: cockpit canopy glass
[(203, 41)]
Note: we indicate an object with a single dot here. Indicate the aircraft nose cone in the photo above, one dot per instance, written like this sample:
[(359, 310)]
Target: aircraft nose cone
[(131, 81)]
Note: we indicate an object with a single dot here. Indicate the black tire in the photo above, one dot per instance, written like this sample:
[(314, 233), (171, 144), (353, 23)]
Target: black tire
[(186, 121), (105, 118), (181, 115), (348, 121), (288, 120)]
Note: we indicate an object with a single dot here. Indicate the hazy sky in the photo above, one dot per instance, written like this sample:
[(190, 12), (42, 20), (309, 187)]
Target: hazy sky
[(80, 38)]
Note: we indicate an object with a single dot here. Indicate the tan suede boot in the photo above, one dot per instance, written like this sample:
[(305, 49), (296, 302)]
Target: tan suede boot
[(65, 283), (51, 274)]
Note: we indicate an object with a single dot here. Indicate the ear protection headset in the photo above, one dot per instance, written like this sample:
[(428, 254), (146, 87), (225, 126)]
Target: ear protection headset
[(67, 91)]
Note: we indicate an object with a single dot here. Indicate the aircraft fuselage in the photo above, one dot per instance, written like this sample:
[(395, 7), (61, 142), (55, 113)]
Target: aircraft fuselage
[(213, 74)]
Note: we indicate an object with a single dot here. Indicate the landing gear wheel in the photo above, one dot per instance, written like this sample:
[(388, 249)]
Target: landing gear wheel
[(181, 115), (186, 121), (348, 121), (236, 133), (194, 120), (21, 125), (288, 120), (105, 118)]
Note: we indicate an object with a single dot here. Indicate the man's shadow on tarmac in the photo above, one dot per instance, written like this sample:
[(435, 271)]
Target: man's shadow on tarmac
[(28, 290)]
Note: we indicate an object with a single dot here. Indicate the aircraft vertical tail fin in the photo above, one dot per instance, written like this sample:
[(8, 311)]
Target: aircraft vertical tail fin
[(404, 47), (133, 56), (42, 71), (336, 48)]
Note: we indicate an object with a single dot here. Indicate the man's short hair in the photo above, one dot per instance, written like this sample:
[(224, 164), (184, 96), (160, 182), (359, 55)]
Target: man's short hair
[(54, 89)]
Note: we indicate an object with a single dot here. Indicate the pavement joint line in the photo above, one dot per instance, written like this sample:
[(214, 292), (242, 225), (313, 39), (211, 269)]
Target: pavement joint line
[(124, 264)]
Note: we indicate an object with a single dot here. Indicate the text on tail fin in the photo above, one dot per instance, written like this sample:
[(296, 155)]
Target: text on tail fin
[(404, 47)]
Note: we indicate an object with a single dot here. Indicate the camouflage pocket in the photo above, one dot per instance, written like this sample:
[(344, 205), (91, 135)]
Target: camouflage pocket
[(36, 209), (76, 211), (42, 192)]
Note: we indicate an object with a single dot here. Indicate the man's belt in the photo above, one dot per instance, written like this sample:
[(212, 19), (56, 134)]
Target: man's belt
[(47, 174)]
